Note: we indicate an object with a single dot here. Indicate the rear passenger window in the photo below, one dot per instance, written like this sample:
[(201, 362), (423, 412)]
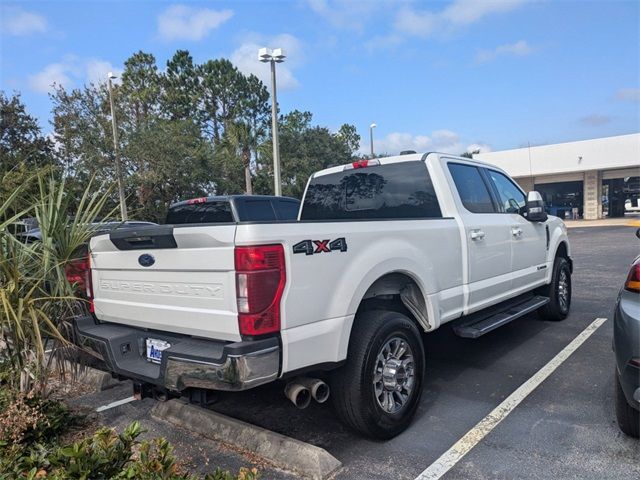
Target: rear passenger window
[(472, 188), (398, 190)]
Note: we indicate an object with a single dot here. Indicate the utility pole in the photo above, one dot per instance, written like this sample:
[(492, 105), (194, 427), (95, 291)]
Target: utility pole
[(123, 204), (274, 56)]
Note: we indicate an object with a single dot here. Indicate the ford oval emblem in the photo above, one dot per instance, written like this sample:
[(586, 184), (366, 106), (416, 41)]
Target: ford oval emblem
[(146, 260)]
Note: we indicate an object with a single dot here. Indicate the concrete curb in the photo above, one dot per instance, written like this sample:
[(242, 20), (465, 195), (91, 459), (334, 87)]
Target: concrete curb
[(616, 222), (97, 378), (284, 452)]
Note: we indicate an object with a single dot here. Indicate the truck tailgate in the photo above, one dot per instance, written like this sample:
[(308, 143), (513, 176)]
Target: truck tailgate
[(178, 280)]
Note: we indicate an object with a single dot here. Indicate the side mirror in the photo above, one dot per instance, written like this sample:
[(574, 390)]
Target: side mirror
[(534, 211)]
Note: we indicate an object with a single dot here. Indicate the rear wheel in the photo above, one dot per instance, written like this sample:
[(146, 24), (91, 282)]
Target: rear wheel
[(378, 390), (558, 291), (628, 417)]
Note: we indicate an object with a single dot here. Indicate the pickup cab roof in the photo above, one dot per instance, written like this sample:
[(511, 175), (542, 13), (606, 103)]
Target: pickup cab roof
[(232, 209), (410, 157)]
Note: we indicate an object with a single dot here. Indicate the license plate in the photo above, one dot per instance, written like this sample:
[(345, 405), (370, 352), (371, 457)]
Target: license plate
[(155, 348)]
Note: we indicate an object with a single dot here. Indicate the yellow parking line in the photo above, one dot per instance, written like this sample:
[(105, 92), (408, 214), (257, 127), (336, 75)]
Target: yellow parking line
[(634, 223)]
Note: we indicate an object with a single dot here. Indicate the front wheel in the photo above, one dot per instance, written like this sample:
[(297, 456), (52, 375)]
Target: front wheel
[(378, 390), (558, 291)]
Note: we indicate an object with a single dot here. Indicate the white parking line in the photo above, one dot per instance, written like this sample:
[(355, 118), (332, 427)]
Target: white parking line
[(117, 403), (452, 456)]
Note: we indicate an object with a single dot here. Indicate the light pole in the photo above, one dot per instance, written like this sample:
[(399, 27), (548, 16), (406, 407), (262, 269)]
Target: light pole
[(266, 55), (123, 204), (371, 127)]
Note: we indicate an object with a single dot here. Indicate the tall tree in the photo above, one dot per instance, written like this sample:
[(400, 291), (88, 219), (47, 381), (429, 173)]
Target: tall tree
[(23, 151), (180, 87), (304, 149), (21, 139), (255, 110), (140, 87), (222, 93), (350, 137), (82, 131), (179, 165)]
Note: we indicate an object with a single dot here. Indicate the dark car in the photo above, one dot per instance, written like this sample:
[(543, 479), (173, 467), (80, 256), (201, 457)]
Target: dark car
[(626, 345), (233, 208), (35, 235)]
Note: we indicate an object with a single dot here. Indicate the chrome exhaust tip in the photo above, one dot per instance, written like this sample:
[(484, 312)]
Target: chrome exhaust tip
[(299, 395), (319, 390)]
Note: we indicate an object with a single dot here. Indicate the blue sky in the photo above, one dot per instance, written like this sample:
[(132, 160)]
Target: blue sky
[(432, 75)]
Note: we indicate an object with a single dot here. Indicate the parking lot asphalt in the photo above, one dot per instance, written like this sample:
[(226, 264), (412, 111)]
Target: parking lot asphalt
[(564, 429)]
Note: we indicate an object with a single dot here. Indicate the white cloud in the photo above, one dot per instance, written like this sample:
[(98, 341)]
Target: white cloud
[(54, 73), (245, 57), (628, 94), (518, 49), (180, 22), (346, 14), (96, 70), (465, 12), (16, 21), (460, 13), (412, 22), (70, 72), (595, 120)]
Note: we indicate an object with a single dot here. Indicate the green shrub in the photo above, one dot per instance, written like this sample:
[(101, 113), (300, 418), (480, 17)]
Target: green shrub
[(105, 455), (27, 419)]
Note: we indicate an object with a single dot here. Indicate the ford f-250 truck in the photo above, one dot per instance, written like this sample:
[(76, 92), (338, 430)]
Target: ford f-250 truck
[(383, 251)]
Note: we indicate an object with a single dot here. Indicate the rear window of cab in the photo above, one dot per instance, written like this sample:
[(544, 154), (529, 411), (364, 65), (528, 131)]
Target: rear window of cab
[(393, 191)]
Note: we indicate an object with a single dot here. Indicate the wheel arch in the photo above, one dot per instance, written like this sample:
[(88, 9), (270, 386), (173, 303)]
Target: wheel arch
[(401, 291), (562, 250)]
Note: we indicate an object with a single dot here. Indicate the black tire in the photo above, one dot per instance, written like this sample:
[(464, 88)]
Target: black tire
[(628, 417), (352, 385), (557, 309)]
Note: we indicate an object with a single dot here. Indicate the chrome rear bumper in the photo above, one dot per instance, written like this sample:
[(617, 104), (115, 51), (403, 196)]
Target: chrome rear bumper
[(188, 363)]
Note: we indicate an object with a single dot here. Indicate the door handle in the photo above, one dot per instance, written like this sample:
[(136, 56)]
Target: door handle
[(516, 232), (477, 235)]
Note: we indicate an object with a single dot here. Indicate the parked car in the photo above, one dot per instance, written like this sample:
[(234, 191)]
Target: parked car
[(626, 345), (233, 208), (35, 235), (383, 251), (22, 226), (632, 204)]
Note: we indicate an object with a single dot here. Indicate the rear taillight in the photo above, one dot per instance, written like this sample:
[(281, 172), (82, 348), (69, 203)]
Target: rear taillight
[(78, 273), (260, 280), (633, 279)]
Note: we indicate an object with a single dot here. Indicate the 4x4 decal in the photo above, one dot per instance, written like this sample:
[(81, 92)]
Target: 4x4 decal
[(309, 247)]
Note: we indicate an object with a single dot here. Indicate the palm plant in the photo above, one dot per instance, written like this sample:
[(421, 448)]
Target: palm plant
[(36, 301), (239, 141)]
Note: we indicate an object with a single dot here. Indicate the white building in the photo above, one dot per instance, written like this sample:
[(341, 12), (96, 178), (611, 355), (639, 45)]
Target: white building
[(593, 178)]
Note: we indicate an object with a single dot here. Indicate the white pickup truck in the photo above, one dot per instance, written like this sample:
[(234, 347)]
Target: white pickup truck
[(383, 251)]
